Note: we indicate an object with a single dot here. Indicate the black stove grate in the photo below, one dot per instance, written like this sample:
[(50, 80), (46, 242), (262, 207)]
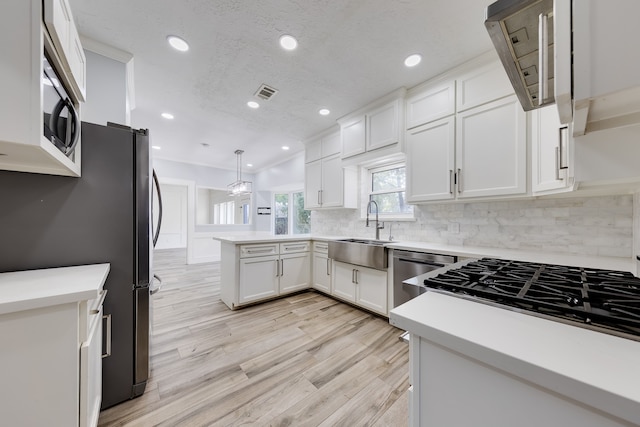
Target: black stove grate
[(605, 300)]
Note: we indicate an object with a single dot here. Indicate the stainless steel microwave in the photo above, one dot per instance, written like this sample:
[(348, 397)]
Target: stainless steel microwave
[(60, 112)]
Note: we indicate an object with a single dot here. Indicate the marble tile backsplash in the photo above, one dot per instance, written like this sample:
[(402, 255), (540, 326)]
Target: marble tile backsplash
[(601, 226)]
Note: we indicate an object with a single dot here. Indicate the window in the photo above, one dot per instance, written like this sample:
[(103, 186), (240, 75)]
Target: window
[(387, 188), (290, 216)]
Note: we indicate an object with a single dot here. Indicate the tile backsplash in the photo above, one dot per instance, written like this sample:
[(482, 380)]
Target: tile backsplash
[(602, 225)]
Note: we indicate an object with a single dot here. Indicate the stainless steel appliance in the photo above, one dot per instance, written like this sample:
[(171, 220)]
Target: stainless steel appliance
[(603, 300), (533, 49), (408, 264), (60, 111), (104, 216)]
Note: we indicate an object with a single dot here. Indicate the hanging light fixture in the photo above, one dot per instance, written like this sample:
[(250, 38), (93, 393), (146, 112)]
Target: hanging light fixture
[(239, 187)]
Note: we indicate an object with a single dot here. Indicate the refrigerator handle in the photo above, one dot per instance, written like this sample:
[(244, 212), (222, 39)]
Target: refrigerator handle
[(157, 231)]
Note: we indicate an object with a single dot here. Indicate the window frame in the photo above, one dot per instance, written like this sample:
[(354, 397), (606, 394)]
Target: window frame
[(367, 176), (290, 212)]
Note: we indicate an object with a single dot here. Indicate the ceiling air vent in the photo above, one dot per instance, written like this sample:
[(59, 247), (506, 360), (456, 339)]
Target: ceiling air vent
[(265, 92)]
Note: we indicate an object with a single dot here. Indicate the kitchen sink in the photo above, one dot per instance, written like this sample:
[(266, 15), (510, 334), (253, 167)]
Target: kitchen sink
[(364, 252)]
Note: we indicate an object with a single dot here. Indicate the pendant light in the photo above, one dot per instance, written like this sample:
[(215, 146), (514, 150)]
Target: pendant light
[(239, 187)]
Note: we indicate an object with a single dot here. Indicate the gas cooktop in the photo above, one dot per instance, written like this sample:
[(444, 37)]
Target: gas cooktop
[(603, 300)]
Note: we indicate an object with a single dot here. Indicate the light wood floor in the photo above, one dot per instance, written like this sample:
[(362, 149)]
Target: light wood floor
[(305, 360)]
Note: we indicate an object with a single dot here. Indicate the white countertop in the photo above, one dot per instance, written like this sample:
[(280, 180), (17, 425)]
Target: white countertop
[(26, 290), (598, 369), (608, 263)]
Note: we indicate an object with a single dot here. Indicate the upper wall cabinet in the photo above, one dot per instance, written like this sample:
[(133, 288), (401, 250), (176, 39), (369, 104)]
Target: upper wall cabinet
[(481, 85), (33, 28), (373, 131), (431, 103), (327, 184)]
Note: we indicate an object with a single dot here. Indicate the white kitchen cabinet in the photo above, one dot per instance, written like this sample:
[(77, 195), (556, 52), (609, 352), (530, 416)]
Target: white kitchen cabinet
[(363, 286), (321, 267), (271, 269), (329, 185), (481, 85), (552, 151), (23, 146), (64, 34), (324, 145), (259, 278), (491, 150), (430, 103), (344, 284), (430, 152), (51, 332), (374, 130)]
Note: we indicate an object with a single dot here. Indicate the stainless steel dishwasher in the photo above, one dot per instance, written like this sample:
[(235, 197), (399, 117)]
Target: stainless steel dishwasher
[(408, 264)]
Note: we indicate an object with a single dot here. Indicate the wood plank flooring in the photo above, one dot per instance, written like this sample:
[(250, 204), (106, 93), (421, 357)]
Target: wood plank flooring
[(304, 360)]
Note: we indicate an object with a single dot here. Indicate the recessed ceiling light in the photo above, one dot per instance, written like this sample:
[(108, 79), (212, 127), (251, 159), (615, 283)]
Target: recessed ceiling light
[(156, 147), (288, 42), (249, 165), (178, 43), (253, 104), (167, 116), (324, 112), (285, 148), (413, 60)]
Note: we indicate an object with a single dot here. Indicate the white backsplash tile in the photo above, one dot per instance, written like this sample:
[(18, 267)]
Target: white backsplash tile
[(585, 226)]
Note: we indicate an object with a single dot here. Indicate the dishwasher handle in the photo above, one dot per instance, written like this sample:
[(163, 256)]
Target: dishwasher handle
[(417, 261)]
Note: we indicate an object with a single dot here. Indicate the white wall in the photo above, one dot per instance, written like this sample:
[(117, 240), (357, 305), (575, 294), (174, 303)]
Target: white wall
[(106, 91)]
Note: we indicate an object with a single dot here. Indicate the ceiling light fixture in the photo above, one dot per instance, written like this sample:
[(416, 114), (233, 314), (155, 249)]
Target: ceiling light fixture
[(156, 147), (324, 112), (167, 116), (178, 43), (239, 187), (288, 42), (253, 104), (249, 165), (413, 60), (285, 148)]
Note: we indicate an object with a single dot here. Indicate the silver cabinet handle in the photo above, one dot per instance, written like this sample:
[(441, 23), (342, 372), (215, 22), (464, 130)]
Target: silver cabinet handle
[(459, 175), (328, 262), (108, 340), (543, 59), (319, 197), (356, 276), (281, 267), (277, 268), (295, 247), (103, 295), (450, 181), (557, 163), (353, 275), (259, 251)]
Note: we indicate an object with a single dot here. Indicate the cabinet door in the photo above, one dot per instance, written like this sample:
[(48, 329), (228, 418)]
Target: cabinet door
[(430, 161), (482, 85), (321, 272), (91, 375), (332, 182), (258, 278), (550, 145), (352, 135), (383, 126), (58, 18), (371, 289), (331, 144), (491, 150), (312, 184), (313, 151), (344, 281), (295, 272), (431, 104), (77, 63)]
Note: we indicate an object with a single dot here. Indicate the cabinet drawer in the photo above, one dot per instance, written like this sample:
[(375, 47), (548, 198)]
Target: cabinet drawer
[(248, 251), (294, 247), (321, 247)]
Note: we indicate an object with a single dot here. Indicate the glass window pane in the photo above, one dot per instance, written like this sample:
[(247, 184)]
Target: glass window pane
[(281, 216), (391, 179), (301, 217), (392, 203)]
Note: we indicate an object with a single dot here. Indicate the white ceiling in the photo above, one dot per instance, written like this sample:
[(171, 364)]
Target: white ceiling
[(350, 53)]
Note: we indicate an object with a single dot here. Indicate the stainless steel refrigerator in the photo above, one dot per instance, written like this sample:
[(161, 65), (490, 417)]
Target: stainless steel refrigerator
[(104, 216)]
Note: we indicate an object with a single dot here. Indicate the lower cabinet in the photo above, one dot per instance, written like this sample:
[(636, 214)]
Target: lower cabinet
[(272, 269), (321, 267), (363, 286)]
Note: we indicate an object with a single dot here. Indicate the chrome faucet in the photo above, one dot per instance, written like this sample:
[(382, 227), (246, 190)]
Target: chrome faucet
[(379, 226)]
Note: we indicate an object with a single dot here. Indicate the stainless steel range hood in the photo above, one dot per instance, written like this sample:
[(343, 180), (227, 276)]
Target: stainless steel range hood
[(522, 32)]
